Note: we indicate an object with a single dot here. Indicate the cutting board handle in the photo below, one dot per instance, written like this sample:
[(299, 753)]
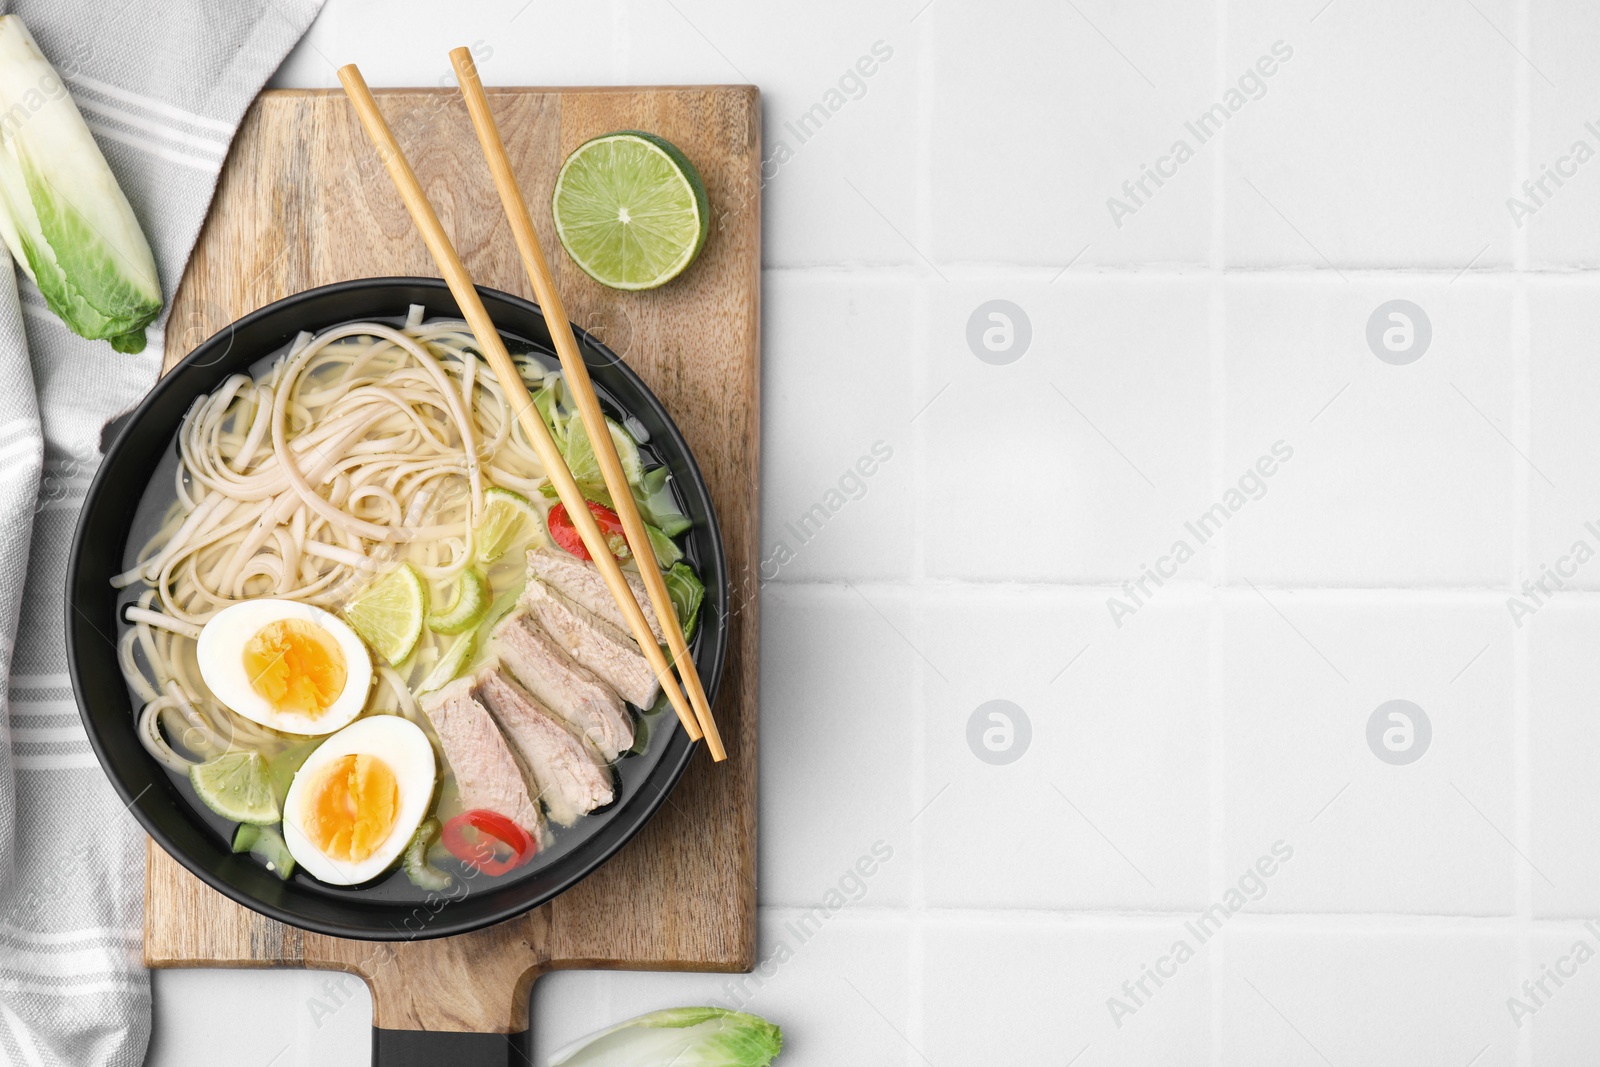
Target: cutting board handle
[(449, 1048)]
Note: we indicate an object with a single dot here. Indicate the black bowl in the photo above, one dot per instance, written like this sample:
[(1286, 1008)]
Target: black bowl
[(165, 808)]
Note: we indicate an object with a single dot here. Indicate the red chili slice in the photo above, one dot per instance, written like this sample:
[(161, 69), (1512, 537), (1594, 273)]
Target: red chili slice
[(480, 853), (566, 535)]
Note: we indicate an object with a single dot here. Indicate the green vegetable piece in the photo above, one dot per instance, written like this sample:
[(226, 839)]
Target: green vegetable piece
[(451, 663), (282, 767), (666, 549), (62, 214), (266, 845), (244, 837), (596, 493), (682, 1037), (654, 496), (549, 406), (687, 592), (502, 606), (466, 611), (423, 874), (641, 733)]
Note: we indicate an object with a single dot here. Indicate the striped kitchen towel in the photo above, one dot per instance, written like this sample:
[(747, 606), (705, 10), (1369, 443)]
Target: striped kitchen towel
[(163, 84)]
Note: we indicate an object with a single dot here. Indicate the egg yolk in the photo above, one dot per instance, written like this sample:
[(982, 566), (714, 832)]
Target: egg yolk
[(296, 666), (352, 808)]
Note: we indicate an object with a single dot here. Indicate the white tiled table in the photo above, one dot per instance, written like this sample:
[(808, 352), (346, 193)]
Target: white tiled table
[(1227, 714)]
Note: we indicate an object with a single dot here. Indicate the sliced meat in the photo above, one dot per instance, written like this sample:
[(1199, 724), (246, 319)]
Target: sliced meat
[(579, 581), (564, 686), (487, 774), (571, 781), (593, 642)]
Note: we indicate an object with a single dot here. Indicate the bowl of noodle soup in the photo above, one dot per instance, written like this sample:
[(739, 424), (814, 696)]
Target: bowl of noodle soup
[(316, 443)]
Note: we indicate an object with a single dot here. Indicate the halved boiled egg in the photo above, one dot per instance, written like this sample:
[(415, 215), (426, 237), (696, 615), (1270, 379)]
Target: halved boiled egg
[(290, 666), (358, 799)]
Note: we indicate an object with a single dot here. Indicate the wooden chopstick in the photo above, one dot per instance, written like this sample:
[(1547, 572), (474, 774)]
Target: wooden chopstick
[(494, 350), (538, 268)]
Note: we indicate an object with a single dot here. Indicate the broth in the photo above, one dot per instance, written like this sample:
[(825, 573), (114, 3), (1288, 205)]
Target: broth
[(425, 504)]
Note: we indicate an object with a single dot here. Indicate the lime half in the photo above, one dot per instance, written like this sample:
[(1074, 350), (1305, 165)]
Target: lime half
[(507, 518), (631, 210), (388, 614), (236, 786), (470, 606)]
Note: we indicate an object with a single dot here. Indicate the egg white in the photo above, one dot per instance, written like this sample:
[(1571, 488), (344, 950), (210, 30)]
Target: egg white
[(405, 748), (221, 655)]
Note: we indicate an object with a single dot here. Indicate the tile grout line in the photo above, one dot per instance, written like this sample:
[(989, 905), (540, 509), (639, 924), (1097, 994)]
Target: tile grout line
[(1216, 343), (1079, 916), (1195, 591), (1218, 796), (1217, 257), (922, 311), (1521, 523), (916, 942), (1042, 273), (1521, 680), (922, 343), (1521, 133), (1521, 697)]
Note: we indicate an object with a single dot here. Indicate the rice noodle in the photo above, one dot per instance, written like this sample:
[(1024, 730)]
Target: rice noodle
[(356, 449), (151, 737), (166, 622)]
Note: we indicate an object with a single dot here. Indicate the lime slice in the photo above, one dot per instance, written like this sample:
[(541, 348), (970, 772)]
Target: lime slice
[(507, 518), (631, 210), (235, 785), (388, 614), (469, 607), (451, 664)]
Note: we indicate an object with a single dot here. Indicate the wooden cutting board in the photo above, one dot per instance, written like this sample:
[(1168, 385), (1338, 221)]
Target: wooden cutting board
[(304, 201)]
